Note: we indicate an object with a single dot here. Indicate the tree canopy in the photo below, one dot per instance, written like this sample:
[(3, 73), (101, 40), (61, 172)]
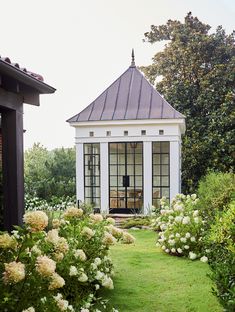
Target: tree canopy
[(50, 173), (197, 75)]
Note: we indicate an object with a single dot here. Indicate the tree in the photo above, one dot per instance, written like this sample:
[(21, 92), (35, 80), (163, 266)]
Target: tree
[(49, 173), (198, 79)]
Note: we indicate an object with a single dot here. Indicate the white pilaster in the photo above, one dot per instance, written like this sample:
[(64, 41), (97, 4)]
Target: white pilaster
[(104, 178), (174, 168), (147, 176), (80, 172)]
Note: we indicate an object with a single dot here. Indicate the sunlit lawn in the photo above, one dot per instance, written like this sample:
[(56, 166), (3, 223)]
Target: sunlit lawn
[(148, 280)]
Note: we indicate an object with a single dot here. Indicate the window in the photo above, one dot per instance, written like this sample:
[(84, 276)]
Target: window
[(92, 174), (125, 132), (161, 132), (108, 133), (91, 133), (143, 132), (161, 171)]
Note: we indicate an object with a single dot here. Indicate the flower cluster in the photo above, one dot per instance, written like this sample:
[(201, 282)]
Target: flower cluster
[(72, 258), (180, 227)]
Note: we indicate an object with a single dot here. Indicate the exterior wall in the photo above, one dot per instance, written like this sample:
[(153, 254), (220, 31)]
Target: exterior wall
[(172, 133)]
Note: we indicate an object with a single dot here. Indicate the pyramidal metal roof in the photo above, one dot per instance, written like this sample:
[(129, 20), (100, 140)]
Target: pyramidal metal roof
[(130, 97)]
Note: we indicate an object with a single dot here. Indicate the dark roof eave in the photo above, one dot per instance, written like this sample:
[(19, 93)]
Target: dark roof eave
[(24, 78)]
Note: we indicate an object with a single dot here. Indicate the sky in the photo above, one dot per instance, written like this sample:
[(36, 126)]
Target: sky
[(81, 46)]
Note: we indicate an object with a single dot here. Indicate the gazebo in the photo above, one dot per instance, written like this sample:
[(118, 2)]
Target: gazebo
[(17, 86), (128, 147)]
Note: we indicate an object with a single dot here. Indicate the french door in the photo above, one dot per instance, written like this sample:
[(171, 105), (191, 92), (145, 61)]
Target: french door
[(125, 177)]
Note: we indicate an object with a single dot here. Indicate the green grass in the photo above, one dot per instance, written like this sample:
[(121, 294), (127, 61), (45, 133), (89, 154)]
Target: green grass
[(147, 280)]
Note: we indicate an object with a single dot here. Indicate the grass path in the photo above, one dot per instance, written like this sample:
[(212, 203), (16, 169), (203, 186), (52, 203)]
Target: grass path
[(148, 280)]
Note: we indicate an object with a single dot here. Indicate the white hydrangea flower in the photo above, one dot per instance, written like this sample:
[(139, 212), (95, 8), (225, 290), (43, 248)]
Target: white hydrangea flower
[(83, 278), (196, 220), (186, 246), (163, 247), (178, 219), (204, 259), (173, 250), (167, 250), (73, 271), (183, 240), (97, 261), (192, 255), (187, 235), (186, 220), (195, 213), (171, 242), (179, 250), (177, 235), (194, 196), (193, 239)]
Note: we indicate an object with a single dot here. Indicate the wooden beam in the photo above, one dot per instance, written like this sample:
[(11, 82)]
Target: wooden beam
[(9, 100), (13, 176)]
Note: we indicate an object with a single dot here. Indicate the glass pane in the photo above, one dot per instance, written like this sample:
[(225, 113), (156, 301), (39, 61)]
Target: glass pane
[(87, 148), (139, 148), (121, 193), (87, 170), (139, 203), (96, 148), (156, 147), (156, 181), (156, 170), (113, 181), (165, 159), (165, 146), (156, 192), (138, 180), (165, 170), (113, 192), (165, 192), (89, 181), (113, 158), (121, 148), (113, 148), (88, 192), (156, 158), (130, 203), (120, 181), (138, 159), (165, 181), (121, 170), (96, 170), (113, 170), (121, 159), (132, 181), (96, 202), (138, 169), (130, 192), (156, 203), (130, 147), (130, 170), (130, 158), (113, 203)]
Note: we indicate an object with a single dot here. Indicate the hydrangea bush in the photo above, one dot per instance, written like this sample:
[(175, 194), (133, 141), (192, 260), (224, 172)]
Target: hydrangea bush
[(61, 269), (180, 227)]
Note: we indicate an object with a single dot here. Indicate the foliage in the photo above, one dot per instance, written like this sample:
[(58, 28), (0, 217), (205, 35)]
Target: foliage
[(1, 200), (215, 192), (221, 242), (149, 280), (181, 227), (197, 71), (58, 270), (49, 173), (136, 222)]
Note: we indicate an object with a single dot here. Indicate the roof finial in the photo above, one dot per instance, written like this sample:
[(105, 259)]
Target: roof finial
[(132, 58)]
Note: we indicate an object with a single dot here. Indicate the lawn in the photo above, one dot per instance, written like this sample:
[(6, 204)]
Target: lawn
[(147, 280)]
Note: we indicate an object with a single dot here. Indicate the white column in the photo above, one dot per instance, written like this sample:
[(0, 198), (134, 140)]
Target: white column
[(174, 168), (80, 172), (104, 178), (147, 176)]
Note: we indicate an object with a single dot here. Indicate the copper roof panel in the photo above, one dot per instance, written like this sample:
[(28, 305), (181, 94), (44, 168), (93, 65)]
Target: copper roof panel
[(130, 97)]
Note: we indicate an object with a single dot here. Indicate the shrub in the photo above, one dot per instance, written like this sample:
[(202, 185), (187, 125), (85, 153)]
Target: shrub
[(58, 270), (136, 222), (221, 242), (181, 227), (215, 192)]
